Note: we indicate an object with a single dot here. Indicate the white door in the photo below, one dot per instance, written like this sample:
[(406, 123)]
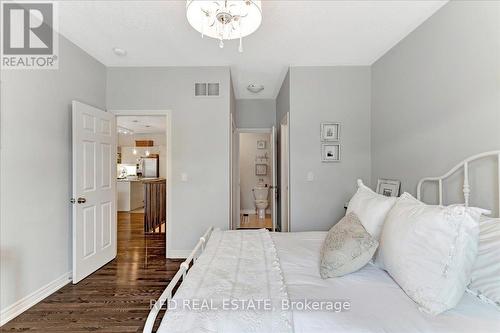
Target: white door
[(94, 184), (284, 176), (274, 187)]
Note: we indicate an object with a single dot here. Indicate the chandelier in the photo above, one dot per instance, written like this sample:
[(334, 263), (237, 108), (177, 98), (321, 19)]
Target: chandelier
[(225, 20)]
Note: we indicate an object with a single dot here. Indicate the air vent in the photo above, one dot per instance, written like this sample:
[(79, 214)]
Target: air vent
[(213, 89), (206, 89)]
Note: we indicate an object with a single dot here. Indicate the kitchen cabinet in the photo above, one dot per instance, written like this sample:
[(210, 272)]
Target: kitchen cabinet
[(130, 194)]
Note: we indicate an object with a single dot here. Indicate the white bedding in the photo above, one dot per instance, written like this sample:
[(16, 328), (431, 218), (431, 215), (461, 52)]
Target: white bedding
[(253, 264), (235, 266), (377, 303)]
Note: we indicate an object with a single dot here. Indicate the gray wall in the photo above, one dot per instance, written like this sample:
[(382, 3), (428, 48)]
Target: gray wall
[(200, 142), (283, 99), (318, 94), (36, 168), (436, 100), (255, 113)]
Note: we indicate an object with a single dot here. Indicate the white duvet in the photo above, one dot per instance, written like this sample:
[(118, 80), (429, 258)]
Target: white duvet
[(377, 303), (235, 286), (236, 264)]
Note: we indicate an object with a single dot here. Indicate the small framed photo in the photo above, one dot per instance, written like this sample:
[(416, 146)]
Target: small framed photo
[(261, 144), (388, 187), (260, 169), (330, 131), (330, 152)]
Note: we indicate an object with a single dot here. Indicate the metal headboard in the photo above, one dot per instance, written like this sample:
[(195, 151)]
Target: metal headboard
[(466, 187)]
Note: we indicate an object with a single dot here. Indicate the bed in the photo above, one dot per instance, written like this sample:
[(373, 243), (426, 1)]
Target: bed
[(259, 265)]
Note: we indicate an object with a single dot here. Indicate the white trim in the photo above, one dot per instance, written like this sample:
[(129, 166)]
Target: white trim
[(285, 121), (168, 114), (27, 302), (254, 211)]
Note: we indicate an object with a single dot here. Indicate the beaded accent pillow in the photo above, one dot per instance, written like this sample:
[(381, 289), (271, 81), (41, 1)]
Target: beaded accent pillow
[(347, 248)]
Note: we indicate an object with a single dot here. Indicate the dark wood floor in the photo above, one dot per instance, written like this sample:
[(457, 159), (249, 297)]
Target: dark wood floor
[(116, 298)]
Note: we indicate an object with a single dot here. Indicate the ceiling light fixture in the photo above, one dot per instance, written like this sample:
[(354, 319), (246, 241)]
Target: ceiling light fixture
[(225, 20), (255, 88), (119, 51)]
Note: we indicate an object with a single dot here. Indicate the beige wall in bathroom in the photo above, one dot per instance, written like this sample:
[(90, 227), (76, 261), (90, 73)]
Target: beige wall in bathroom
[(248, 179)]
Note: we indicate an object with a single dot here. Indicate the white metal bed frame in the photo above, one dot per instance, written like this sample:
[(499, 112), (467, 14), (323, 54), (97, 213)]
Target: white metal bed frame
[(466, 189), (167, 293)]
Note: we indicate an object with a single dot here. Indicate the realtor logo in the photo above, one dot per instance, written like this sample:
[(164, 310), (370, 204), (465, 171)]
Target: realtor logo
[(29, 40)]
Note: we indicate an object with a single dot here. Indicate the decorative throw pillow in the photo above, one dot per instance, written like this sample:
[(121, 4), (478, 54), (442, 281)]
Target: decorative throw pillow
[(485, 279), (347, 248), (429, 251), (371, 208)]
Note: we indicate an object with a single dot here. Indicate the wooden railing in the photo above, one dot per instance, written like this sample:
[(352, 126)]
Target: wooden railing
[(155, 205)]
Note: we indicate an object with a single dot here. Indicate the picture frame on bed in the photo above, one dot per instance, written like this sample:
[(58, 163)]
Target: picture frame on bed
[(388, 187), (330, 132), (330, 152)]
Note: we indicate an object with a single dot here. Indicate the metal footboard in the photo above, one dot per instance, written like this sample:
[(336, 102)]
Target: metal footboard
[(167, 293)]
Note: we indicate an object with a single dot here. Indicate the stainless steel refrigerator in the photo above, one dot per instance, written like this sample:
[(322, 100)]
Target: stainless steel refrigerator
[(150, 167)]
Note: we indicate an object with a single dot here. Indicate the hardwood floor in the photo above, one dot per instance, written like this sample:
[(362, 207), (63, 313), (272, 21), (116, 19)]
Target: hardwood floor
[(252, 221), (115, 298)]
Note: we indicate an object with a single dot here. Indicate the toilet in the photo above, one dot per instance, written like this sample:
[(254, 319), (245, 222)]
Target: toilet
[(260, 194)]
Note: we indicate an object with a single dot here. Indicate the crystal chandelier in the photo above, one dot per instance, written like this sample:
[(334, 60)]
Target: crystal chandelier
[(224, 20)]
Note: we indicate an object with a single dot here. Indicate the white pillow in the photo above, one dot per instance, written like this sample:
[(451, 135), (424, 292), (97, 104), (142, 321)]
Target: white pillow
[(347, 248), (429, 251), (485, 279), (371, 208)]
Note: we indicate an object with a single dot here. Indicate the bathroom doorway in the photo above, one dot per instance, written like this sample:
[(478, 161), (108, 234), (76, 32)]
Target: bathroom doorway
[(254, 179)]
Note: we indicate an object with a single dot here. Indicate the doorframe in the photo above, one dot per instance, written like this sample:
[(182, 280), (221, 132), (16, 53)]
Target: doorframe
[(285, 121), (168, 115), (238, 131)]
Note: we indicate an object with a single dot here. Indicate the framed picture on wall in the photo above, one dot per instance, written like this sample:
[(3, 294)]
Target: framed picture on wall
[(330, 152), (260, 169), (388, 187), (261, 144), (330, 131)]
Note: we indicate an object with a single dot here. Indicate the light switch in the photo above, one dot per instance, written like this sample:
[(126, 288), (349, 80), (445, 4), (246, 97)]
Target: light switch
[(184, 177), (310, 176)]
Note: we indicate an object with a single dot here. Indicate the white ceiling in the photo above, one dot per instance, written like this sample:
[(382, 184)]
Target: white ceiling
[(298, 33), (143, 124)]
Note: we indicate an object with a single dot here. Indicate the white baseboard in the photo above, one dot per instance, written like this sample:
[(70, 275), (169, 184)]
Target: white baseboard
[(178, 254), (253, 211), (27, 302)]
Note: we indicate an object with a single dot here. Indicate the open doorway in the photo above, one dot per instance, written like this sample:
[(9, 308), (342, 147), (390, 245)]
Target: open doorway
[(255, 179), (141, 168)]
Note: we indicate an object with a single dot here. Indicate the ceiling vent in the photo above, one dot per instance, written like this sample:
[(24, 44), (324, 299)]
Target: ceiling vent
[(206, 89)]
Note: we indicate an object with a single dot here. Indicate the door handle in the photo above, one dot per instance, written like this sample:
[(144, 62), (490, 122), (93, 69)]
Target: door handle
[(81, 200)]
